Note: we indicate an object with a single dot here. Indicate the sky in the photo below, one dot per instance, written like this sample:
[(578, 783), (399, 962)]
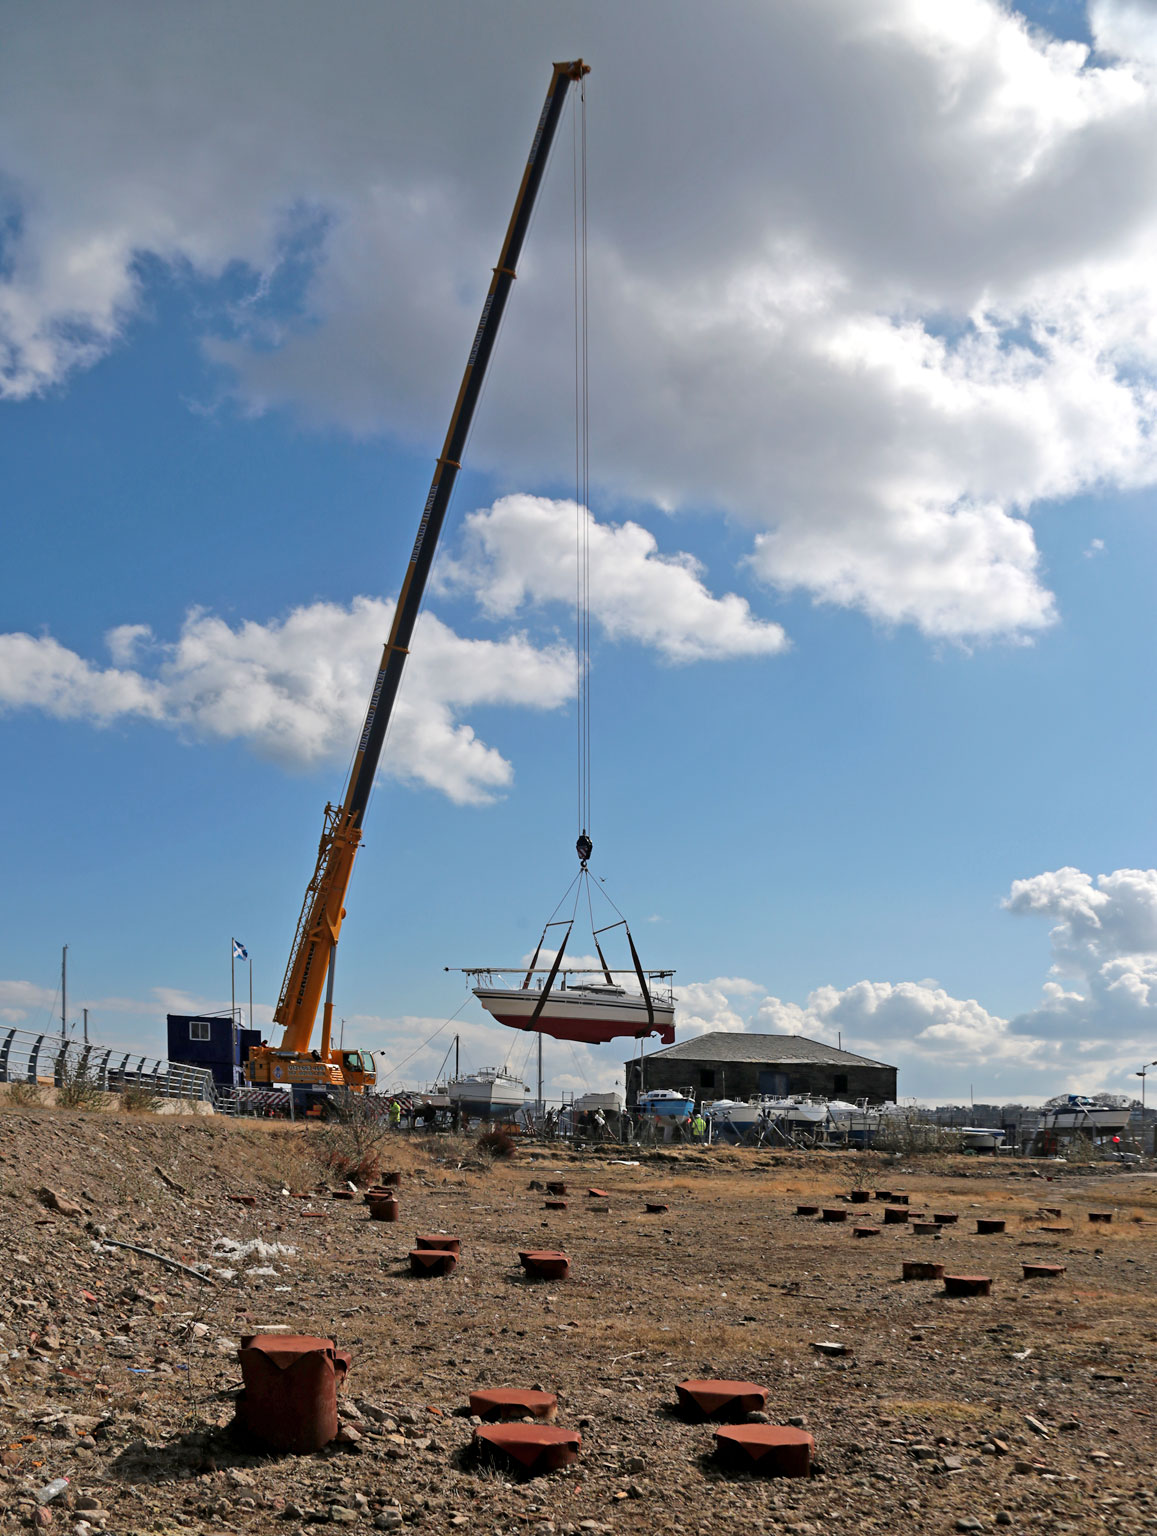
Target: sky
[(873, 406)]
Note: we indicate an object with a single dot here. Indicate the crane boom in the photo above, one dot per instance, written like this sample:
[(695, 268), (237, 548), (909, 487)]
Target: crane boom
[(312, 956)]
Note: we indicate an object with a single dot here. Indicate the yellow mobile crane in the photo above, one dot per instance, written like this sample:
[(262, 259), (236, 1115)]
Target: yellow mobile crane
[(312, 959)]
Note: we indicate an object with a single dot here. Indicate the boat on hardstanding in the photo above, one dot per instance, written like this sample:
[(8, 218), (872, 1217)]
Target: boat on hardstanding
[(1079, 1115), (736, 1118), (491, 1093), (667, 1103), (593, 1012)]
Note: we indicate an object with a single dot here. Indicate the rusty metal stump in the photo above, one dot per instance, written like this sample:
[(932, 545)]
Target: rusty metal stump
[(544, 1263), (429, 1262), (341, 1194), (384, 1210), (883, 1194), (860, 1196), (554, 1205), (921, 1269), (926, 1228), (945, 1218), (772, 1449), (1042, 1271), (899, 1199), (598, 1194), (392, 1179), (720, 1399), (807, 1210), (377, 1192), (514, 1403), (865, 1231), (988, 1226), (440, 1241), (895, 1215), (555, 1187), (530, 1448), (1100, 1215), (289, 1401), (968, 1285), (1056, 1229), (656, 1208), (833, 1213), (1050, 1210)]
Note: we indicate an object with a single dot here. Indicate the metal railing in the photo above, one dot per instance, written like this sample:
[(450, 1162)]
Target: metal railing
[(46, 1060)]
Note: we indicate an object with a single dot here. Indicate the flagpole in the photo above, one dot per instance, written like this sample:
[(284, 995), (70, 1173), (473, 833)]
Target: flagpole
[(250, 991), (232, 982)]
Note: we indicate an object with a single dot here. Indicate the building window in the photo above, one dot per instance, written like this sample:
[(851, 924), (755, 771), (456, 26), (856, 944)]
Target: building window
[(840, 1082), (707, 1077), (198, 1029)]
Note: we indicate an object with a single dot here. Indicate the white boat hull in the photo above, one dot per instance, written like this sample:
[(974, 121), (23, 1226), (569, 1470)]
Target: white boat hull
[(575, 1013)]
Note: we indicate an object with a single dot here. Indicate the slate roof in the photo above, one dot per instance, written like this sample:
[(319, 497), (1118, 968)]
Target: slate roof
[(732, 1045)]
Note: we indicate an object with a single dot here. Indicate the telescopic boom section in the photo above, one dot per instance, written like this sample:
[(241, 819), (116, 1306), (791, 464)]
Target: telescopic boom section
[(321, 917)]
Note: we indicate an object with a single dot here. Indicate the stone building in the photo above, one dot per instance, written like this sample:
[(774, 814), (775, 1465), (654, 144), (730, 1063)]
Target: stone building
[(729, 1065)]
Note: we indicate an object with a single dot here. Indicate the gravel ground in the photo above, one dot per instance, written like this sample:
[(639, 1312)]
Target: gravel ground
[(1032, 1409)]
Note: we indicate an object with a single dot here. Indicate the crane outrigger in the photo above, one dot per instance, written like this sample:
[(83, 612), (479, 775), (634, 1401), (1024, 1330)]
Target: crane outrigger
[(312, 959)]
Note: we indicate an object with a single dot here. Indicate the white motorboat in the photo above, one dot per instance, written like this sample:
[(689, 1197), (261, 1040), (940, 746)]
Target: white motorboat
[(740, 1115), (491, 1093), (980, 1138), (796, 1113), (1083, 1116), (668, 1103)]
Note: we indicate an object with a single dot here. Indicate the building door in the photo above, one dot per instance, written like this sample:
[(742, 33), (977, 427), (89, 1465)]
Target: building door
[(773, 1084)]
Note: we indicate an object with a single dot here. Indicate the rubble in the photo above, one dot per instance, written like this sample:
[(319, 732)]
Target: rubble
[(120, 1372)]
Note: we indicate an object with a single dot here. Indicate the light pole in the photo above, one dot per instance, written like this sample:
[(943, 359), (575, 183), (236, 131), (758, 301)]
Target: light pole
[(1143, 1074)]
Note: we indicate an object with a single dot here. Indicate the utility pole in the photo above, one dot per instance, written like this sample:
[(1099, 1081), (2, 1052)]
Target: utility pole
[(86, 1026), (538, 1106), (63, 991)]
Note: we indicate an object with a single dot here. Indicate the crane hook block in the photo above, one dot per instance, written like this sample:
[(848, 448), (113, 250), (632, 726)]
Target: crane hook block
[(584, 848)]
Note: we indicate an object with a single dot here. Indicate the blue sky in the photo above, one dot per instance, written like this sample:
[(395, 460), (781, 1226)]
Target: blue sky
[(879, 733)]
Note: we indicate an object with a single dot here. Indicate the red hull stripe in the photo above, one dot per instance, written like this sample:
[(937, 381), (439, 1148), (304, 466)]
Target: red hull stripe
[(589, 1031)]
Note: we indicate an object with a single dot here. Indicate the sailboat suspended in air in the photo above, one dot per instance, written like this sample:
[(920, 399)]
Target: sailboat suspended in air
[(548, 1001)]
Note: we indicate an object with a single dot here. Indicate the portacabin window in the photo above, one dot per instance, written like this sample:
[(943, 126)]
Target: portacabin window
[(707, 1077), (198, 1029)]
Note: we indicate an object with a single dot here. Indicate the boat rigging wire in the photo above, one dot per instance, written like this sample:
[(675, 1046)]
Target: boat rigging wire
[(393, 1071), (582, 476)]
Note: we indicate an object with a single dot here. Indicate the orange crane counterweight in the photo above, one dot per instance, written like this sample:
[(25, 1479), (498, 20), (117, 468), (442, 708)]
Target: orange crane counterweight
[(311, 960)]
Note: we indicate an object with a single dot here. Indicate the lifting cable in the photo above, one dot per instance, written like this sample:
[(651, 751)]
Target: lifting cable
[(582, 475)]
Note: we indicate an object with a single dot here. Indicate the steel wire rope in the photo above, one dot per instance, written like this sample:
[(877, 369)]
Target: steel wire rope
[(426, 1042), (582, 462)]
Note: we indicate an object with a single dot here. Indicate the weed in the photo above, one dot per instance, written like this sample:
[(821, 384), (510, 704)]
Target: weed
[(496, 1144), (78, 1085), (136, 1099), (350, 1143)]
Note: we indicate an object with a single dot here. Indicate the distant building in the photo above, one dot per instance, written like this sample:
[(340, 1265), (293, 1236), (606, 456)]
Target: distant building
[(729, 1065), (211, 1040)]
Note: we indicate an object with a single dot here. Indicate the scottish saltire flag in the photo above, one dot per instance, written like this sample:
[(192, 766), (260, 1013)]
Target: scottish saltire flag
[(239, 950)]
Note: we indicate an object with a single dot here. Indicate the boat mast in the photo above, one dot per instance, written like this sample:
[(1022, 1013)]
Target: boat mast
[(63, 991)]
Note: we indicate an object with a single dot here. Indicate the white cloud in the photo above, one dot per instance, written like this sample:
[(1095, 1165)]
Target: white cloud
[(1083, 1038), (21, 1001), (521, 552), (899, 292), (295, 690)]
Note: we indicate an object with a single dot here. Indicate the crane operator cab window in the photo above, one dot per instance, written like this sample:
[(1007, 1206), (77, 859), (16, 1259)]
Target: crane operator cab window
[(356, 1061)]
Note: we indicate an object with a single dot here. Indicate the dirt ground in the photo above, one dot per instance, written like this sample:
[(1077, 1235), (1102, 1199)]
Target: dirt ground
[(1032, 1409)]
